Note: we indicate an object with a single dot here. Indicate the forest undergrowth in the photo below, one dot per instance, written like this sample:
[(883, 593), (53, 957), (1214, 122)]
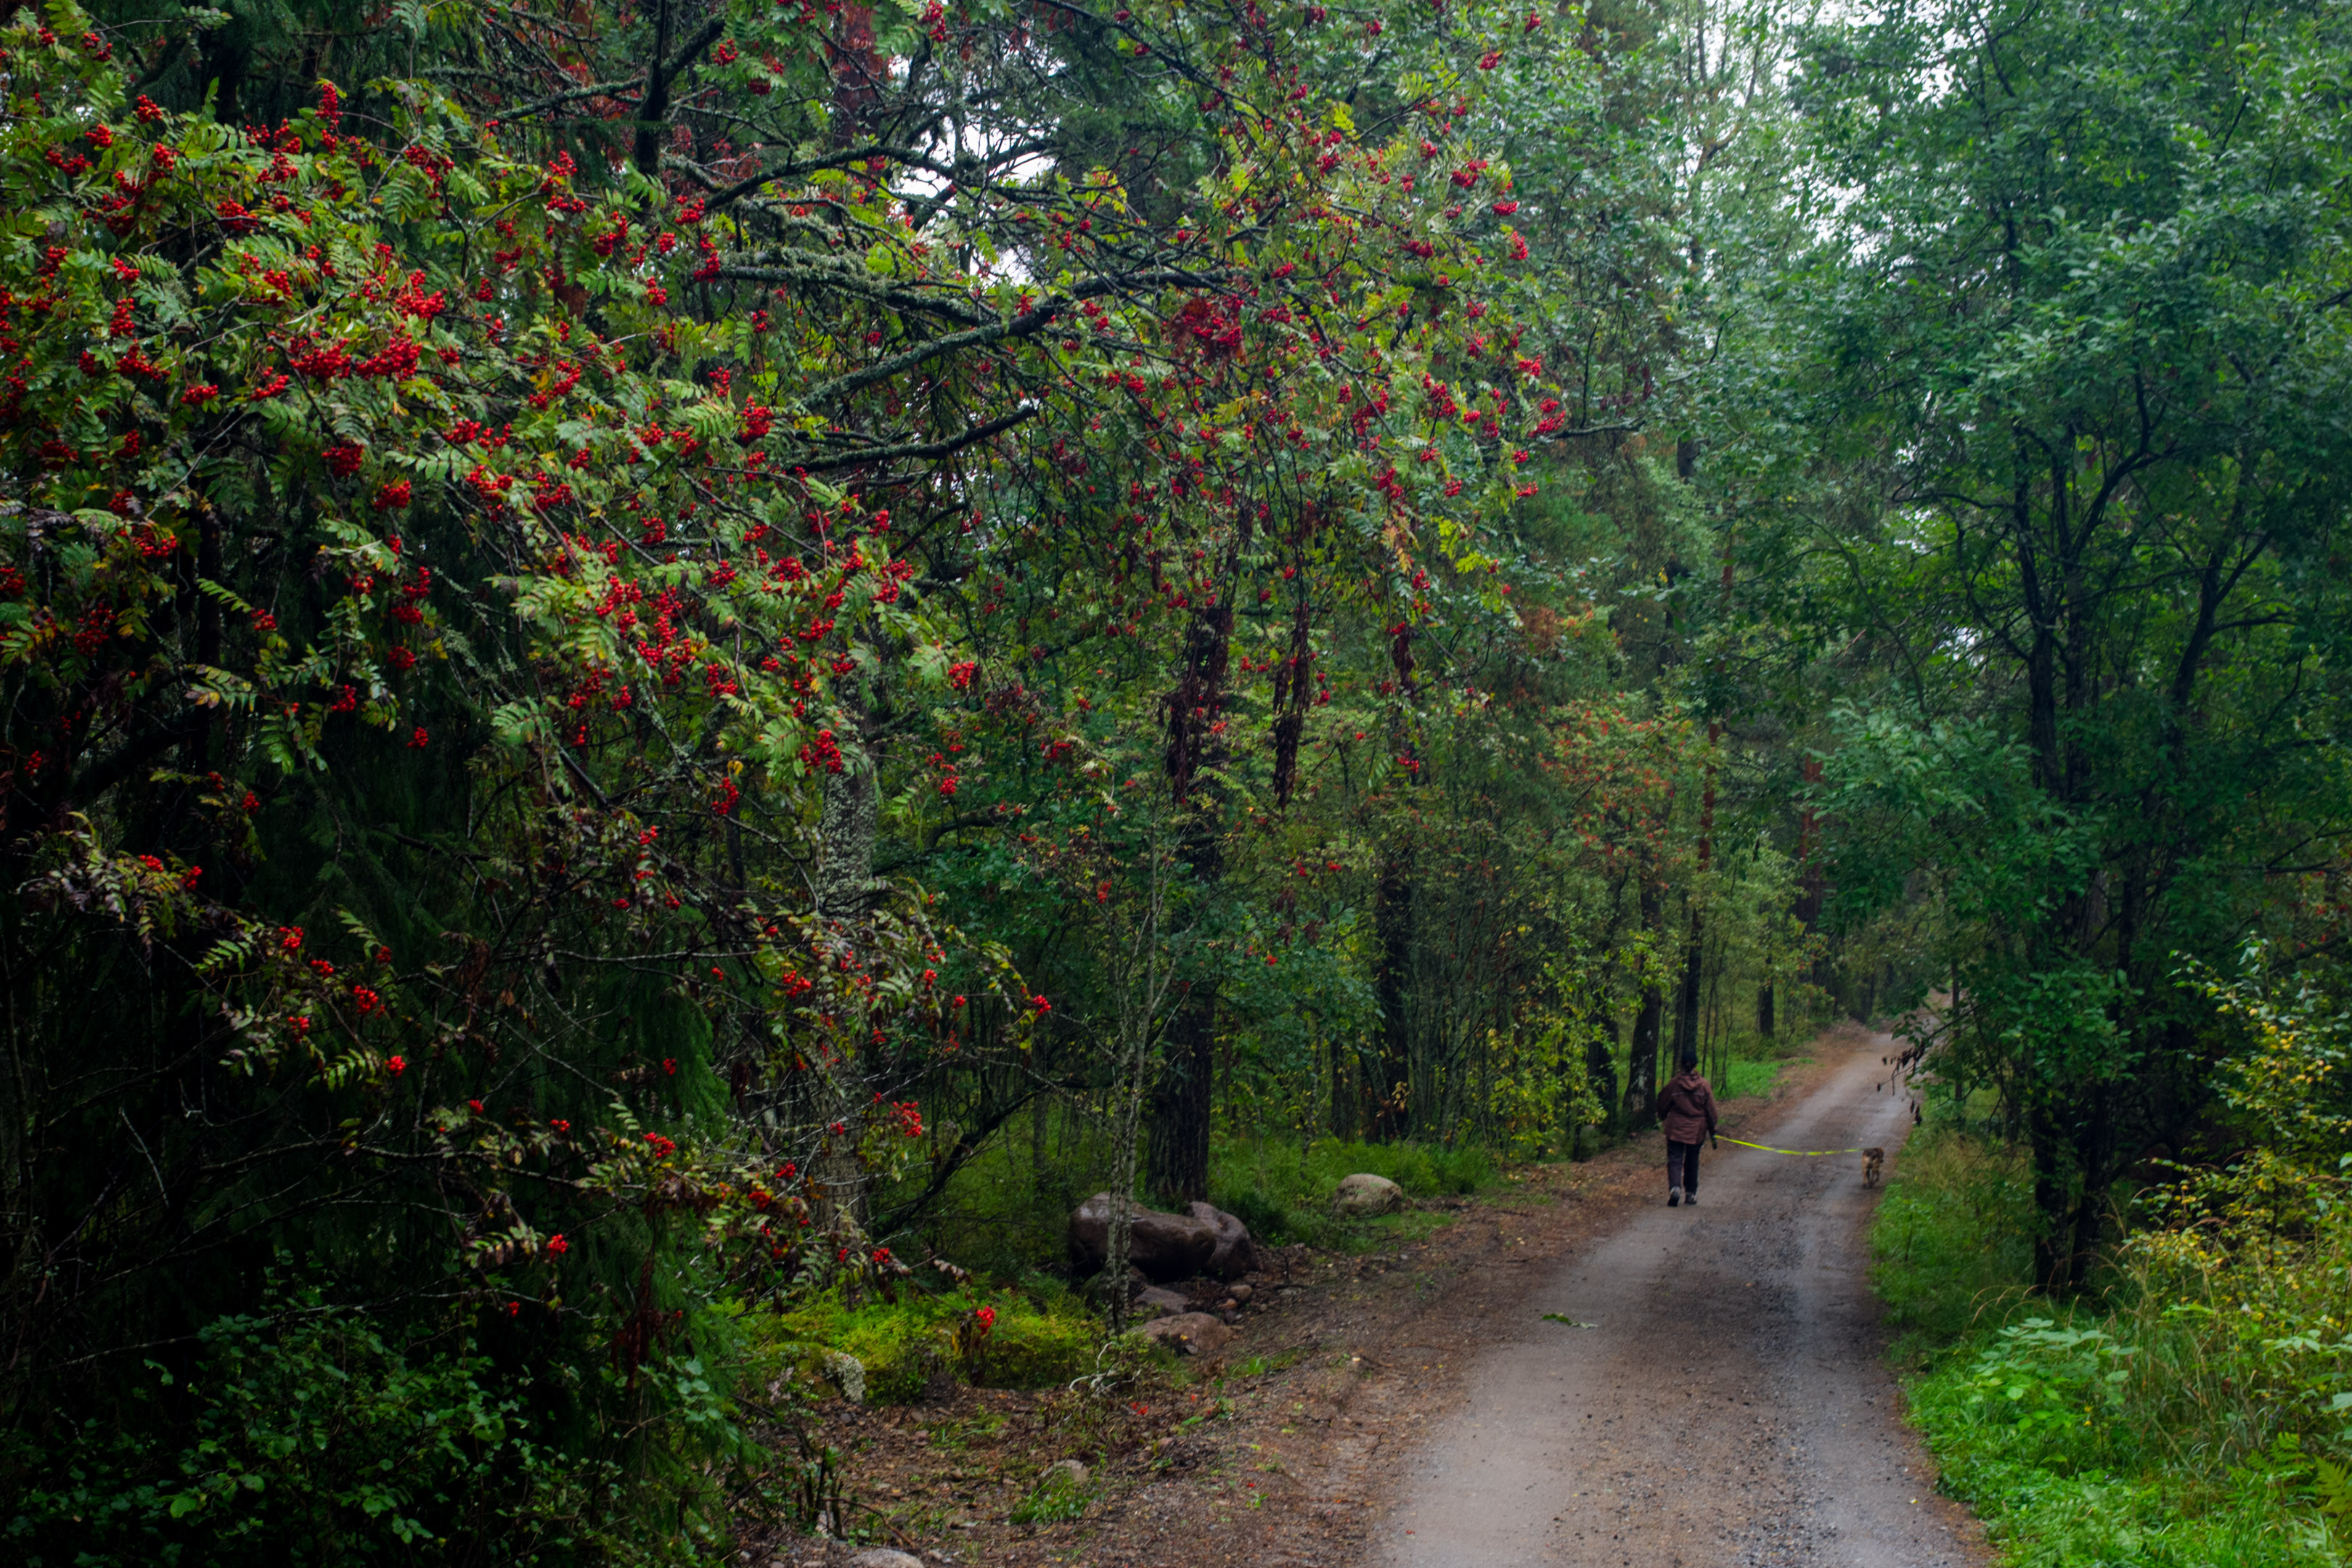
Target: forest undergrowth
[(1005, 1214), (2189, 1412)]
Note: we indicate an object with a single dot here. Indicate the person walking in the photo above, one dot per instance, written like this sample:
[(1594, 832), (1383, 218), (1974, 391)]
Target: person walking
[(1687, 1108)]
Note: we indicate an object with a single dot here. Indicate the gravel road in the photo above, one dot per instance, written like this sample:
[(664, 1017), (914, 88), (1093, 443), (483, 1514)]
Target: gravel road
[(1727, 1403)]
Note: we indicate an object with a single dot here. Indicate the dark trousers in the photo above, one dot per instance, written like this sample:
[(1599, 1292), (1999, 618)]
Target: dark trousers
[(1681, 1165)]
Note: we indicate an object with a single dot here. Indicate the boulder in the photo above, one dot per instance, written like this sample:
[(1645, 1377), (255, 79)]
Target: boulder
[(1156, 1302), (1236, 1252), (1363, 1194), (1190, 1333), (1163, 1245)]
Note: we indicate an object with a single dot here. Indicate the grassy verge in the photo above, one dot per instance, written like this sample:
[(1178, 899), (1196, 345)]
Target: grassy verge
[(1282, 1189), (1042, 1334), (1004, 1215), (1754, 1076), (2171, 1421), (1006, 1212), (1007, 1218)]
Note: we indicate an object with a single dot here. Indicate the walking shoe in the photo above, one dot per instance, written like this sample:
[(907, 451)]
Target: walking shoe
[(1673, 1197), (1691, 1197)]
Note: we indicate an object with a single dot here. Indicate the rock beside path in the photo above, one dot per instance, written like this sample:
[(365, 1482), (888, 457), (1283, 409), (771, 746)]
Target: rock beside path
[(1364, 1193), (1157, 1302), (1190, 1333), (1235, 1253), (1164, 1247)]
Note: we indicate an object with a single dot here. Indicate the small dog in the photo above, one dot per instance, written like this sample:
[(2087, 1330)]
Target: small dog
[(1873, 1163)]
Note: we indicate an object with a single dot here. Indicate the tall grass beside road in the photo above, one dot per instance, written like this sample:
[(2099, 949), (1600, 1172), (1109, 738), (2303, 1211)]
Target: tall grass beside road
[(2192, 1412)]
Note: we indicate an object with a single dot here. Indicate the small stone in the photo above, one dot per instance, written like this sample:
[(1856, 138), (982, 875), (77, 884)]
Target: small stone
[(884, 1557), (1158, 1302), (1364, 1193), (1242, 1293), (1190, 1333), (1227, 1305), (1069, 1471)]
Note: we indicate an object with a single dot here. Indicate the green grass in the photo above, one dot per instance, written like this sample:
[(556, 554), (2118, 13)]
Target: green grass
[(1281, 1188), (1056, 1497), (1750, 1075), (2049, 1502), (1002, 1215), (2141, 1427), (1952, 1248), (1043, 1335)]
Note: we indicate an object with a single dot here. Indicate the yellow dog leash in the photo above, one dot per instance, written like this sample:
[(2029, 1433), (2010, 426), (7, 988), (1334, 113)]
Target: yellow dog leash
[(1807, 1152)]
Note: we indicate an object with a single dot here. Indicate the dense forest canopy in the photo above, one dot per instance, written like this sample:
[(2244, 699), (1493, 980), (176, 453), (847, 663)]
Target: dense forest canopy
[(650, 647)]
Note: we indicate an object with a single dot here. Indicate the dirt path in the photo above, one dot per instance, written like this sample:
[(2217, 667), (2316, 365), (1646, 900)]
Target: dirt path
[(1412, 1409), (1727, 1403)]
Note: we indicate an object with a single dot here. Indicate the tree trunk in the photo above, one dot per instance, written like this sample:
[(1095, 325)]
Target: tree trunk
[(1181, 1101), (1809, 888), (1764, 1021), (2054, 1197), (1694, 967), (846, 834), (1392, 943), (2071, 1167), (1694, 943), (1641, 1071), (1344, 1090), (1177, 1163), (1038, 1108), (1393, 935), (1601, 1072)]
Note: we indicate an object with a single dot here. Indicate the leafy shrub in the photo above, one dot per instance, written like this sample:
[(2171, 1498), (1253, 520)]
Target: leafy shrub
[(1953, 1242), (313, 1438), (2182, 1418), (2037, 1427), (1268, 1217), (1038, 1338)]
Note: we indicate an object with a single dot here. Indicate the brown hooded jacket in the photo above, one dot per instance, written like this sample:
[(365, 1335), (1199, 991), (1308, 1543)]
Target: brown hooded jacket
[(1687, 1108)]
